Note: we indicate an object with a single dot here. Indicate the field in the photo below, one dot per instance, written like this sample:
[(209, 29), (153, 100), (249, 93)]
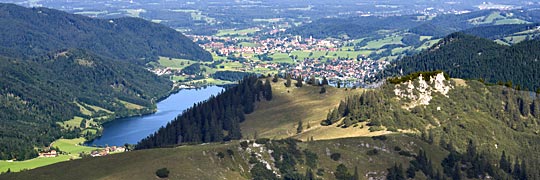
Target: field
[(70, 146), (72, 123), (175, 63), (237, 32), (379, 43), (131, 105)]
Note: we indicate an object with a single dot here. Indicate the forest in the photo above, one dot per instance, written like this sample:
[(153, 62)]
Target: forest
[(469, 57), (131, 39), (38, 93), (354, 28), (214, 120)]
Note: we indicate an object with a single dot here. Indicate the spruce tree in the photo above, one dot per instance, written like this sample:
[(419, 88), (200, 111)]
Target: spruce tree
[(324, 81), (299, 128), (309, 174), (275, 79), (299, 81), (504, 164), (287, 80), (323, 90), (267, 90), (356, 175), (342, 173)]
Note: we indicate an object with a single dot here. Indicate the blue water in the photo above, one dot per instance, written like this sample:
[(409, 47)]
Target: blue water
[(131, 130)]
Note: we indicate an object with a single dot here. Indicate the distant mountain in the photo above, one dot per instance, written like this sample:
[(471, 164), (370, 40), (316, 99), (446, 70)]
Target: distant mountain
[(443, 25), (35, 94), (31, 32), (437, 26), (355, 27), (470, 57), (499, 31)]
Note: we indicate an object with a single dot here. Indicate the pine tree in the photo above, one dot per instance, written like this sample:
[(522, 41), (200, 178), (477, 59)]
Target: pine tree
[(411, 172), (267, 90), (342, 173), (309, 174), (323, 90), (504, 164), (299, 128), (395, 173), (516, 172), (288, 80), (311, 80), (324, 81), (523, 168), (299, 81), (356, 175), (83, 124), (275, 79)]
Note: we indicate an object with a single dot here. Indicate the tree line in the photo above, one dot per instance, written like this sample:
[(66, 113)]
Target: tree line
[(216, 119)]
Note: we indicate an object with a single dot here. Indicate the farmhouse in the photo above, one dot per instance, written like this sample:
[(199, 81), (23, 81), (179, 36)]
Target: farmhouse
[(51, 153)]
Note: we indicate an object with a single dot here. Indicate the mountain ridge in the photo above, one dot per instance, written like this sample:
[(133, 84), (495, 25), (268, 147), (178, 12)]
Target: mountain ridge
[(31, 32)]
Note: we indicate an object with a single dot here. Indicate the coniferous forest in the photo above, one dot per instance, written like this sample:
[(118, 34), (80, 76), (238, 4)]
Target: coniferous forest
[(216, 119), (469, 57), (38, 93), (132, 39)]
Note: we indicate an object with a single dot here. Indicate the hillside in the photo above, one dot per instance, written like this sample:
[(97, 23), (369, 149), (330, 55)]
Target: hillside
[(499, 31), (469, 57), (46, 30), (354, 28), (231, 161), (279, 118), (436, 26), (442, 122), (38, 94)]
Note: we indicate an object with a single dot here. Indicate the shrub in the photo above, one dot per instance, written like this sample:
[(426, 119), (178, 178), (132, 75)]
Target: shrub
[(262, 140), (335, 156), (382, 138), (373, 152), (221, 155), (162, 173), (320, 172), (244, 145), (230, 152)]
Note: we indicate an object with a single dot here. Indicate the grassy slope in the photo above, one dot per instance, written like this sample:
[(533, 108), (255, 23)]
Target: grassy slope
[(187, 162), (279, 118), (201, 161), (70, 146)]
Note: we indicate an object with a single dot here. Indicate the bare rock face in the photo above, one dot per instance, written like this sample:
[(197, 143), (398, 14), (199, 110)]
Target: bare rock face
[(420, 92)]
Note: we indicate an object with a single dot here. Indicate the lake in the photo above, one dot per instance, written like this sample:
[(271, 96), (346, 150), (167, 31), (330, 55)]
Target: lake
[(131, 130)]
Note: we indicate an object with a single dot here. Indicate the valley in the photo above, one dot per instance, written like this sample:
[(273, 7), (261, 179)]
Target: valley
[(268, 90)]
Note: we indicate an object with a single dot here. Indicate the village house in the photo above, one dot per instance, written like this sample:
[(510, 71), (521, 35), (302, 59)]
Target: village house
[(51, 153)]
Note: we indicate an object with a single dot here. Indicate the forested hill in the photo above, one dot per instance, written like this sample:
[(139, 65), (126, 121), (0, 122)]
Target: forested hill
[(38, 93), (30, 32), (214, 120), (470, 57), (356, 27), (499, 31)]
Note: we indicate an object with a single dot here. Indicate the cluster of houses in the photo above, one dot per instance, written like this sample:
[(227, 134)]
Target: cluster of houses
[(339, 69), (95, 153), (226, 46), (51, 153), (105, 151)]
